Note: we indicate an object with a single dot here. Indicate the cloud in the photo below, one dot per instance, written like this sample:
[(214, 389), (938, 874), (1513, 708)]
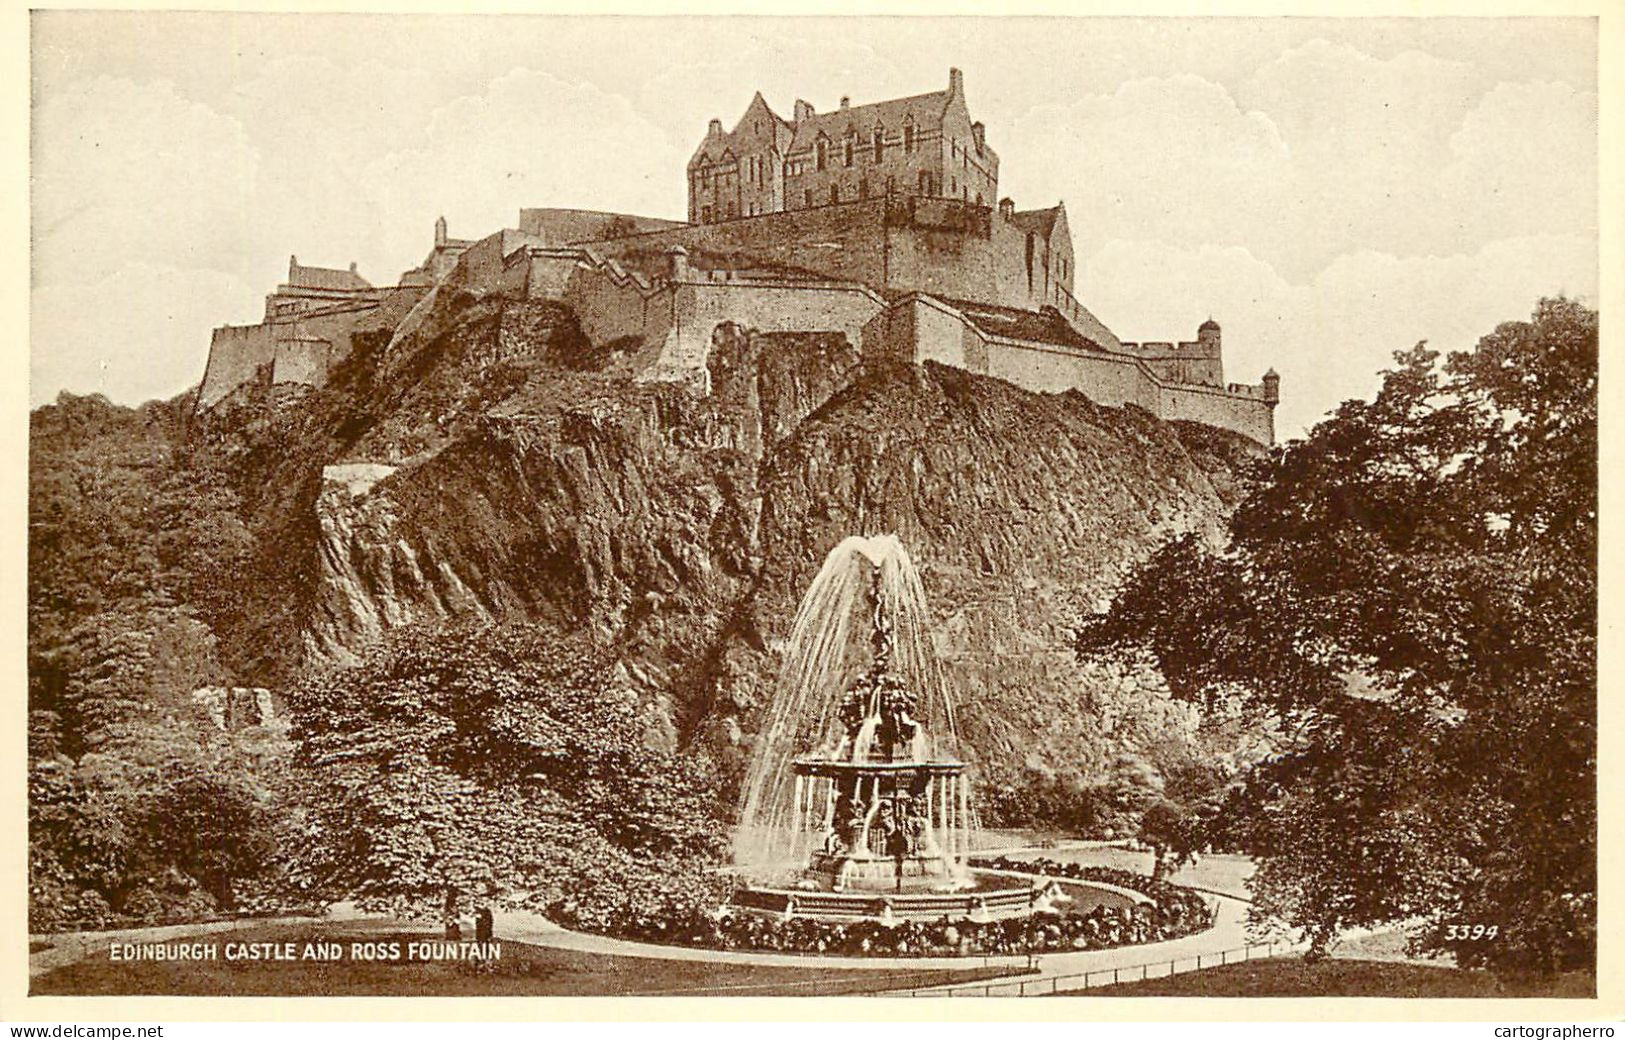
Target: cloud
[(141, 332), (1524, 161), (531, 139), (134, 171), (1328, 339), (1172, 159)]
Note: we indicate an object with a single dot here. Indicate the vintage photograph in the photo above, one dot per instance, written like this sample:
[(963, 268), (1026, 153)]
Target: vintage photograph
[(731, 506)]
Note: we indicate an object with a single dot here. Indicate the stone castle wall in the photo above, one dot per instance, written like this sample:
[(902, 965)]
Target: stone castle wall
[(676, 317), (236, 355), (300, 347), (919, 328), (305, 362)]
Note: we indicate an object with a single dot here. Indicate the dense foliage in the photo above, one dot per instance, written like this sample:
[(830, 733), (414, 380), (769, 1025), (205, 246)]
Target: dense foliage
[(142, 808), (1410, 593), (683, 920), (502, 765)]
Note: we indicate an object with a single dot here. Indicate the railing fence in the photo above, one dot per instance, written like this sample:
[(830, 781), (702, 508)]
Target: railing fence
[(1105, 976)]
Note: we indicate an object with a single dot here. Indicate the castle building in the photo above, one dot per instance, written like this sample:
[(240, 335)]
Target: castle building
[(926, 145), (881, 222)]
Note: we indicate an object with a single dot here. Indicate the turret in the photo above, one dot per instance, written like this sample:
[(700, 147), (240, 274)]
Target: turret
[(1272, 387), (440, 231), (677, 263), (1208, 335)]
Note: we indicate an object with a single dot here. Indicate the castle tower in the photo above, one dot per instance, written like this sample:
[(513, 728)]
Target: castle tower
[(1208, 334), (440, 231), (1272, 387)]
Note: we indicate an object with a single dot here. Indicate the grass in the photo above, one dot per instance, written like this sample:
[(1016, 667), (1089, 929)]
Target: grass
[(524, 970), (1339, 977)]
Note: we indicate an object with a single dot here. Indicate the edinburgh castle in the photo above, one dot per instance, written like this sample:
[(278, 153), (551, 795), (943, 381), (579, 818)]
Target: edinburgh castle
[(881, 222)]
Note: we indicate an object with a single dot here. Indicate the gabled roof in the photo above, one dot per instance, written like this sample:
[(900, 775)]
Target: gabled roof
[(782, 130), (1041, 221), (1041, 326), (303, 277), (925, 110)]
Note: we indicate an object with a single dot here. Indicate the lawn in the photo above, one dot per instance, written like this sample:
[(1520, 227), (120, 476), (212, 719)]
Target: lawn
[(1338, 977), (524, 970)]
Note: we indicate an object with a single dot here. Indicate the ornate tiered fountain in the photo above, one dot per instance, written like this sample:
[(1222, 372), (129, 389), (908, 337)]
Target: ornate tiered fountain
[(890, 815), (876, 820)]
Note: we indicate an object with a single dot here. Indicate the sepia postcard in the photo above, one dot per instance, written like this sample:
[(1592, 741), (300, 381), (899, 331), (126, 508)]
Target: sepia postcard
[(714, 506)]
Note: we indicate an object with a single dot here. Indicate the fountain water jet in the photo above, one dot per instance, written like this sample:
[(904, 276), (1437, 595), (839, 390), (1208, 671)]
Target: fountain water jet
[(857, 801)]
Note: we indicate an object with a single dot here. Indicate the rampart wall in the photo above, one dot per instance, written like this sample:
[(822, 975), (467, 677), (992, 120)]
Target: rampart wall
[(236, 354), (919, 328), (287, 346), (303, 361)]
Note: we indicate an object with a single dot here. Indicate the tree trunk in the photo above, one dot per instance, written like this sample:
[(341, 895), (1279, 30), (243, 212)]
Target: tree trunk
[(454, 930)]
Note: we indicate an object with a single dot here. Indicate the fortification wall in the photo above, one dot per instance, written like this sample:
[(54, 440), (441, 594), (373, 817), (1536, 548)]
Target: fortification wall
[(699, 307), (559, 227), (612, 304), (919, 328), (1190, 361), (302, 361), (236, 353), (846, 241), (1237, 407)]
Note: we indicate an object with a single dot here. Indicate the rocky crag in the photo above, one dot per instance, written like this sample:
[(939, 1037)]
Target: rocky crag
[(487, 461)]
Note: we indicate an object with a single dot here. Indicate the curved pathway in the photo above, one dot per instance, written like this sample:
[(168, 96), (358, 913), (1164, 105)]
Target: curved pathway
[(1228, 932)]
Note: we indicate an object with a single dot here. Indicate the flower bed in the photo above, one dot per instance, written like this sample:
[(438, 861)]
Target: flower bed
[(680, 921)]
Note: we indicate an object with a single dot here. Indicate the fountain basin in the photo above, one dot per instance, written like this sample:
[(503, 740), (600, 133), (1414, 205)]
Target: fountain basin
[(989, 897)]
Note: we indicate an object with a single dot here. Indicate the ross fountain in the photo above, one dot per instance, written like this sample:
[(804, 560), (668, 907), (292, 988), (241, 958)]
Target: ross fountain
[(876, 819)]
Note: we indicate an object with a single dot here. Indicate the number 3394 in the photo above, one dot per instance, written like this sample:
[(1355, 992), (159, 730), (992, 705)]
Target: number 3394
[(1470, 932)]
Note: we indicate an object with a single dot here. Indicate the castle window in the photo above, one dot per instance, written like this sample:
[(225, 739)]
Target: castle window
[(834, 194), (978, 198), (806, 198), (823, 154), (849, 148), (925, 183), (863, 188), (908, 139), (705, 215), (880, 144)]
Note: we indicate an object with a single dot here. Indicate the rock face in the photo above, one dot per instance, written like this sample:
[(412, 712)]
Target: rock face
[(491, 464)]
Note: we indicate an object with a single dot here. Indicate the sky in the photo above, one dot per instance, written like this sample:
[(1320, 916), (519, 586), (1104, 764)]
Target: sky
[(1329, 190)]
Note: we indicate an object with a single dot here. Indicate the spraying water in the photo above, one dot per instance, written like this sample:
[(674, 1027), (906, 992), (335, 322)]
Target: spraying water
[(866, 585)]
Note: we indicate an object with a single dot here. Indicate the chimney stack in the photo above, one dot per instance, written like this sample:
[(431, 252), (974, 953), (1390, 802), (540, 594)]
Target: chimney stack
[(846, 102), (1007, 207), (956, 83), (804, 110), (716, 128), (440, 231)]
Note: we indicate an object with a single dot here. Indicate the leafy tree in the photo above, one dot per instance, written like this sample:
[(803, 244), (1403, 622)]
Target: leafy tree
[(212, 828), (1410, 594), (500, 764)]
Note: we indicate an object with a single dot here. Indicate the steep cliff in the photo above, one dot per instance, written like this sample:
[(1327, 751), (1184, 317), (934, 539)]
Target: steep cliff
[(491, 463)]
